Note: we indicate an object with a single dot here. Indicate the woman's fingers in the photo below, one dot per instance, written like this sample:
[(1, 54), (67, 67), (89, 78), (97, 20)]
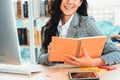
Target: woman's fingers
[(86, 53), (50, 48), (74, 63), (71, 57)]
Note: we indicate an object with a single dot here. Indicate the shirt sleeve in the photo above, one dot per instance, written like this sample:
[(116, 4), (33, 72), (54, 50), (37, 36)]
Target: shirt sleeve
[(111, 53), (43, 56)]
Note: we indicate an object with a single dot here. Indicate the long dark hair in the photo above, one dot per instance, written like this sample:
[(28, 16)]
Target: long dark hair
[(55, 15)]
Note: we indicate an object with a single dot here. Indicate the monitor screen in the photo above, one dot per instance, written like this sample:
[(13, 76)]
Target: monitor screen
[(9, 45)]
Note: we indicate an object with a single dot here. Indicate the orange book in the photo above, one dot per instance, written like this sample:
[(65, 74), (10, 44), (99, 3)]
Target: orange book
[(73, 46)]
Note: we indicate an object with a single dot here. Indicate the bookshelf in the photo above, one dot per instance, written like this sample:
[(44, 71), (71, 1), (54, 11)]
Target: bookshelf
[(37, 16), (32, 20)]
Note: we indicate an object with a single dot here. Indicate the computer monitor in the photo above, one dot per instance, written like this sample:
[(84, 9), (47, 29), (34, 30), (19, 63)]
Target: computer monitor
[(9, 45)]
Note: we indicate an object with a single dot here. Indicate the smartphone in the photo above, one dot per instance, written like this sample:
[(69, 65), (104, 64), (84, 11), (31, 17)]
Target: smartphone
[(83, 75)]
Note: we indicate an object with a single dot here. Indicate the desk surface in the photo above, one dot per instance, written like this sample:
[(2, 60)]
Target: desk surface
[(58, 73)]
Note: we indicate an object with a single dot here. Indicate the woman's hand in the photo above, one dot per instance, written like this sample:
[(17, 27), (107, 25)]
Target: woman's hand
[(49, 50), (115, 36), (84, 61)]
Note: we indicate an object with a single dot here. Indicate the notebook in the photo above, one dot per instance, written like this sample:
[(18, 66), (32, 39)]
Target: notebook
[(74, 46)]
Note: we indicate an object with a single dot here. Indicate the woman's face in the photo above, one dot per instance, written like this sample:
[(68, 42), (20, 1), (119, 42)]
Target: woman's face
[(69, 7)]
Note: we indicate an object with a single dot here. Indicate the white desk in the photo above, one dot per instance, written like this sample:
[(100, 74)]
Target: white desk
[(58, 73)]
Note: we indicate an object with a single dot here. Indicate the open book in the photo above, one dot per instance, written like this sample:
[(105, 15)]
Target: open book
[(74, 46)]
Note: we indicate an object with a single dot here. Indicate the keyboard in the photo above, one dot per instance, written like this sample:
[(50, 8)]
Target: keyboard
[(20, 69)]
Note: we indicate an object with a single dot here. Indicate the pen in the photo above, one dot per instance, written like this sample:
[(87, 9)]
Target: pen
[(107, 67)]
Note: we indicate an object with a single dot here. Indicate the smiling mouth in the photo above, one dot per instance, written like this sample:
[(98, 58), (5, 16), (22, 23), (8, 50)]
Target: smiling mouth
[(68, 7)]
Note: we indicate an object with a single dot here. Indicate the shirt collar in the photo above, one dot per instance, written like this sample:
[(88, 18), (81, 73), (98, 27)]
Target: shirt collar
[(66, 25)]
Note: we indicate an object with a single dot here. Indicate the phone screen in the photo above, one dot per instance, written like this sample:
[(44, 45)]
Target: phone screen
[(83, 75)]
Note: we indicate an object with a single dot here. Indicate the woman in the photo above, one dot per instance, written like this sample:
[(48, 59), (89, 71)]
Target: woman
[(69, 18)]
